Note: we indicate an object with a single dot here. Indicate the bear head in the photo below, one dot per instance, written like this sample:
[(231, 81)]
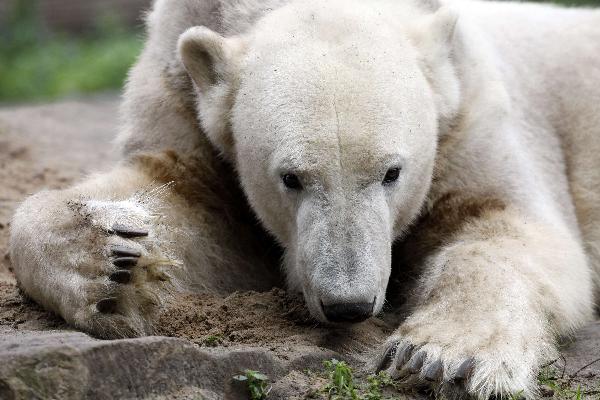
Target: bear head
[(330, 113)]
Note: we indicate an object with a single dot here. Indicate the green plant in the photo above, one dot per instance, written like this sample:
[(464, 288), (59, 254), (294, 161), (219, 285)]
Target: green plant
[(578, 394), (341, 381), (341, 384), (257, 383), (376, 383), (212, 340)]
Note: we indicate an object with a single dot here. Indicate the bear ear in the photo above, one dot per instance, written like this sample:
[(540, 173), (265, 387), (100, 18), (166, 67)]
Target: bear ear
[(437, 41), (211, 61), (434, 34), (204, 54)]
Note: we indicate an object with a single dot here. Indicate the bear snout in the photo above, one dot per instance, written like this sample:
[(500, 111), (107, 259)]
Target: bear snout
[(348, 312)]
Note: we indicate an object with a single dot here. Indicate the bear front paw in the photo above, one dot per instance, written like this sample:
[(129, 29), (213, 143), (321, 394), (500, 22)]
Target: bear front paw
[(422, 365), (491, 366), (124, 269)]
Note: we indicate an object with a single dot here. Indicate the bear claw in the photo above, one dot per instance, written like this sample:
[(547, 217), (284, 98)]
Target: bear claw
[(124, 251), (416, 363), (107, 306), (434, 372), (120, 277), (404, 355), (388, 357), (125, 262), (464, 370), (407, 363), (127, 232)]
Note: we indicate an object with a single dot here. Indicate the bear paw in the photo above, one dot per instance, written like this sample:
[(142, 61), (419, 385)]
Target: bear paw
[(458, 372), (122, 269)]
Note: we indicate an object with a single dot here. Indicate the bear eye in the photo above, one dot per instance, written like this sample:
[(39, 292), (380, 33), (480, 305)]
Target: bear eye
[(291, 181), (391, 176)]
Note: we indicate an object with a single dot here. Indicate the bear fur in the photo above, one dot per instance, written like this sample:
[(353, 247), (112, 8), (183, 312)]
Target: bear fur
[(451, 148)]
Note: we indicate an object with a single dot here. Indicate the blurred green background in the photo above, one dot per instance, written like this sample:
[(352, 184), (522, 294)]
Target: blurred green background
[(56, 48)]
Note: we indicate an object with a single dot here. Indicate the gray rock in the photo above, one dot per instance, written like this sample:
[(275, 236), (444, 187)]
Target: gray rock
[(71, 365), (582, 354)]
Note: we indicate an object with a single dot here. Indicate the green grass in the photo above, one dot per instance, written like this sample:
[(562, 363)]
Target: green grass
[(337, 381), (341, 381), (213, 340)]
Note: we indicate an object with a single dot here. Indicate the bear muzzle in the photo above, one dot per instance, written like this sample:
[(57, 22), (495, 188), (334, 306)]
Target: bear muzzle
[(348, 312)]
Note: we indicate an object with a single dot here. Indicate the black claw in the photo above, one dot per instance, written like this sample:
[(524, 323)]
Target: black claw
[(120, 277), (434, 371), (387, 358), (127, 232), (416, 363), (464, 370), (125, 262), (404, 355), (107, 306), (124, 251)]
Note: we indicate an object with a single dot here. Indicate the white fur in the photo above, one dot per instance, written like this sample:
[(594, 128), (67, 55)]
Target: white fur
[(488, 108)]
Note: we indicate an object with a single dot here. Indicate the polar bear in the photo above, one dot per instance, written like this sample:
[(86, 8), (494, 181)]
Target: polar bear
[(464, 136)]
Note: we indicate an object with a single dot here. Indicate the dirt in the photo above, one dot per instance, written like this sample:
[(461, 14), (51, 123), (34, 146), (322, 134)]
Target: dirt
[(271, 319), (26, 166), (48, 152), (17, 311), (18, 177), (239, 318)]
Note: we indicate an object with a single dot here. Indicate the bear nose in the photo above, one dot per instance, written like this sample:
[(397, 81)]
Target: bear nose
[(348, 312)]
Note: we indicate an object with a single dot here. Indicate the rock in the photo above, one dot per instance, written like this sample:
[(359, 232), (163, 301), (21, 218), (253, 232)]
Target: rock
[(71, 365), (582, 354)]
